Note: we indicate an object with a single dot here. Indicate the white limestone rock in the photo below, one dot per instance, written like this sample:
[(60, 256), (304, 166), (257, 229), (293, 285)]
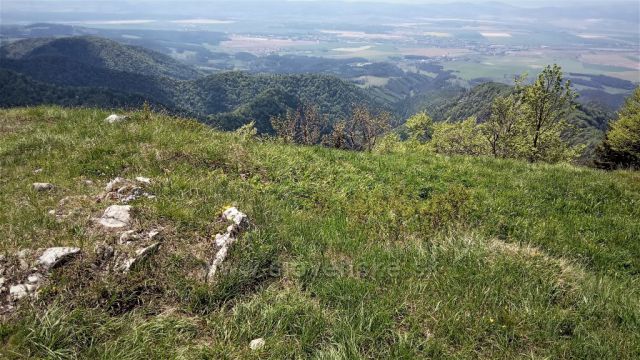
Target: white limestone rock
[(42, 186), (115, 184), (237, 217), (17, 292), (116, 216), (128, 236), (54, 256), (143, 180), (145, 252), (153, 234), (222, 239), (257, 344), (34, 278), (114, 118), (141, 255), (226, 240)]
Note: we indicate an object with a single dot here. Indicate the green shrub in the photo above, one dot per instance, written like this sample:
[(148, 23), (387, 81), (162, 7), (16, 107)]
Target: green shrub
[(463, 138)]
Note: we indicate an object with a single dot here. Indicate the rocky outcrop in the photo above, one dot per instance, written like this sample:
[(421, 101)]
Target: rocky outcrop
[(125, 191), (132, 248), (224, 241), (23, 273), (124, 249)]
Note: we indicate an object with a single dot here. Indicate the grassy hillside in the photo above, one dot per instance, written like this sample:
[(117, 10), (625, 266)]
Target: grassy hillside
[(348, 255)]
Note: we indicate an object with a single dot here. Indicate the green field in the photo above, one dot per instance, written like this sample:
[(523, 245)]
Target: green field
[(501, 68), (348, 255)]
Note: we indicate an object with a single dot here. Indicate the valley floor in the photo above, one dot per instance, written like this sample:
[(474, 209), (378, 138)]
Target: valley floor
[(347, 254)]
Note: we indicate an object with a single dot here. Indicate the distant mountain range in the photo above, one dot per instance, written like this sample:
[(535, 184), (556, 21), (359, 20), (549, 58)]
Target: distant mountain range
[(125, 74)]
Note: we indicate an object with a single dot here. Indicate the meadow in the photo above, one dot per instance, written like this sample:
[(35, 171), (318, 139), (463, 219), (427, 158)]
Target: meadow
[(349, 254)]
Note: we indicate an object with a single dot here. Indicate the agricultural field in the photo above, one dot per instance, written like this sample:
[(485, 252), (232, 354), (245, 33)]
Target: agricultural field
[(500, 67)]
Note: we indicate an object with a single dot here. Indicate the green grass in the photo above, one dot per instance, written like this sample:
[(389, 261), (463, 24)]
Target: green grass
[(349, 255)]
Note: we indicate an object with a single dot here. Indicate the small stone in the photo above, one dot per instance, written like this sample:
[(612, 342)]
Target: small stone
[(143, 180), (113, 118), (88, 182), (222, 240), (141, 255), (152, 234), (51, 212), (104, 252), (134, 194), (115, 184), (257, 344), (128, 236), (54, 256), (239, 218), (23, 264), (2, 281), (37, 171), (34, 278), (23, 253), (116, 216), (42, 186), (17, 292)]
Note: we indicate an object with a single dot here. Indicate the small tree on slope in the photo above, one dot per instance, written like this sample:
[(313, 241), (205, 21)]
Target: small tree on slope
[(621, 146), (546, 104)]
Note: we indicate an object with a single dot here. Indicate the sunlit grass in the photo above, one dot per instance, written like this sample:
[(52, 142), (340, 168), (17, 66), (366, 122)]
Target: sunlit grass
[(349, 255)]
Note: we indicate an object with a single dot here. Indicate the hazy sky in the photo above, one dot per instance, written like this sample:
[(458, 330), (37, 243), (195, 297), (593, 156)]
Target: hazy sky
[(512, 2), (10, 8)]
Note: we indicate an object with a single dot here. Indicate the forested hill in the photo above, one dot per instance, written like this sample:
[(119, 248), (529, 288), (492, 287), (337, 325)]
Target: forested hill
[(101, 53), (227, 100), (475, 102), (235, 97), (19, 90)]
